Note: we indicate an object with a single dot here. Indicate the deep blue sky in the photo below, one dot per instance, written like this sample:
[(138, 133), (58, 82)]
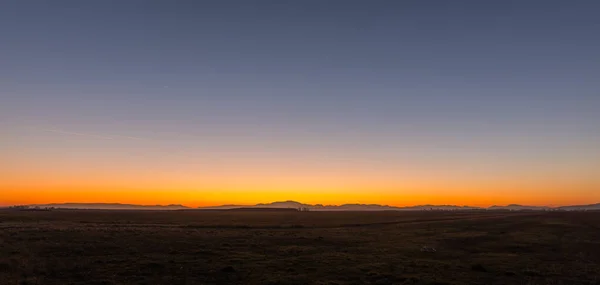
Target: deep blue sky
[(462, 83)]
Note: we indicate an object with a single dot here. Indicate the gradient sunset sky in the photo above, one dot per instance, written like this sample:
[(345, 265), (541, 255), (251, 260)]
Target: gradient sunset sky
[(319, 101)]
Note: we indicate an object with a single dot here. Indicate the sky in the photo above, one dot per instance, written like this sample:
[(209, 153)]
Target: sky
[(241, 102)]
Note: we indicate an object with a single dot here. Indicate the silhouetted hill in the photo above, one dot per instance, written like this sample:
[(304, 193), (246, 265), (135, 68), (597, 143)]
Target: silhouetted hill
[(344, 207), (440, 207), (377, 207), (591, 207), (515, 207), (284, 204), (258, 209)]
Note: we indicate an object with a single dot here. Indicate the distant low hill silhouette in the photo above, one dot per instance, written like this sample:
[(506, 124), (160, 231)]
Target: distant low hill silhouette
[(591, 207), (516, 207), (316, 207), (348, 207), (377, 207), (109, 206)]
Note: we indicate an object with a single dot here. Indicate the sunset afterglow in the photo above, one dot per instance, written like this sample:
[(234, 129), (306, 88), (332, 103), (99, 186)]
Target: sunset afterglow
[(246, 104)]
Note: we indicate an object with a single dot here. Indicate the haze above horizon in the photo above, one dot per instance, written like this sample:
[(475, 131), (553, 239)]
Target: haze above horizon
[(327, 102)]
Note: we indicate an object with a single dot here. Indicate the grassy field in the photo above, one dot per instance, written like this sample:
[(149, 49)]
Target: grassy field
[(194, 247)]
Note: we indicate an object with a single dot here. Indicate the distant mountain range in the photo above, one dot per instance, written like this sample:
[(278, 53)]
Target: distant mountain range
[(345, 207), (515, 207), (316, 207), (377, 207), (591, 207)]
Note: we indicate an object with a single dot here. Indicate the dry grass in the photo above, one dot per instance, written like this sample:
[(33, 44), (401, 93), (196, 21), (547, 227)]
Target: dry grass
[(192, 247)]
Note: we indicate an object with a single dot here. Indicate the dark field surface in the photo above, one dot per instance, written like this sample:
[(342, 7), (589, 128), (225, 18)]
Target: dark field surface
[(193, 247)]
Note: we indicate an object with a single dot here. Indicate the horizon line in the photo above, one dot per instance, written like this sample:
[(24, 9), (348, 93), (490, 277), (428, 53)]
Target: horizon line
[(293, 201)]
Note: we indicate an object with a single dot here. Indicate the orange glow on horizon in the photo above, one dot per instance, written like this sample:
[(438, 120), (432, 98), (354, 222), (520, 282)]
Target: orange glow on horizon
[(195, 198), (51, 181)]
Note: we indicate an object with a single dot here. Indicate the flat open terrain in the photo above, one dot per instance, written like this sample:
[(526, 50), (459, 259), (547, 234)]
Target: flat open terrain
[(195, 247)]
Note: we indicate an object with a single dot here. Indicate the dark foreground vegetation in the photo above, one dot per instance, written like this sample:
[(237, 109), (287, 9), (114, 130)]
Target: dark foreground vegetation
[(262, 247)]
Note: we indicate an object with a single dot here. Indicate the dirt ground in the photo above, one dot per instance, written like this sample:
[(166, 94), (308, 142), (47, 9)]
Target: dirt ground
[(283, 247)]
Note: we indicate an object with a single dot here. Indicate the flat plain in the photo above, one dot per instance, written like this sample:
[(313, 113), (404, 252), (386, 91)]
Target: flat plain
[(288, 247)]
